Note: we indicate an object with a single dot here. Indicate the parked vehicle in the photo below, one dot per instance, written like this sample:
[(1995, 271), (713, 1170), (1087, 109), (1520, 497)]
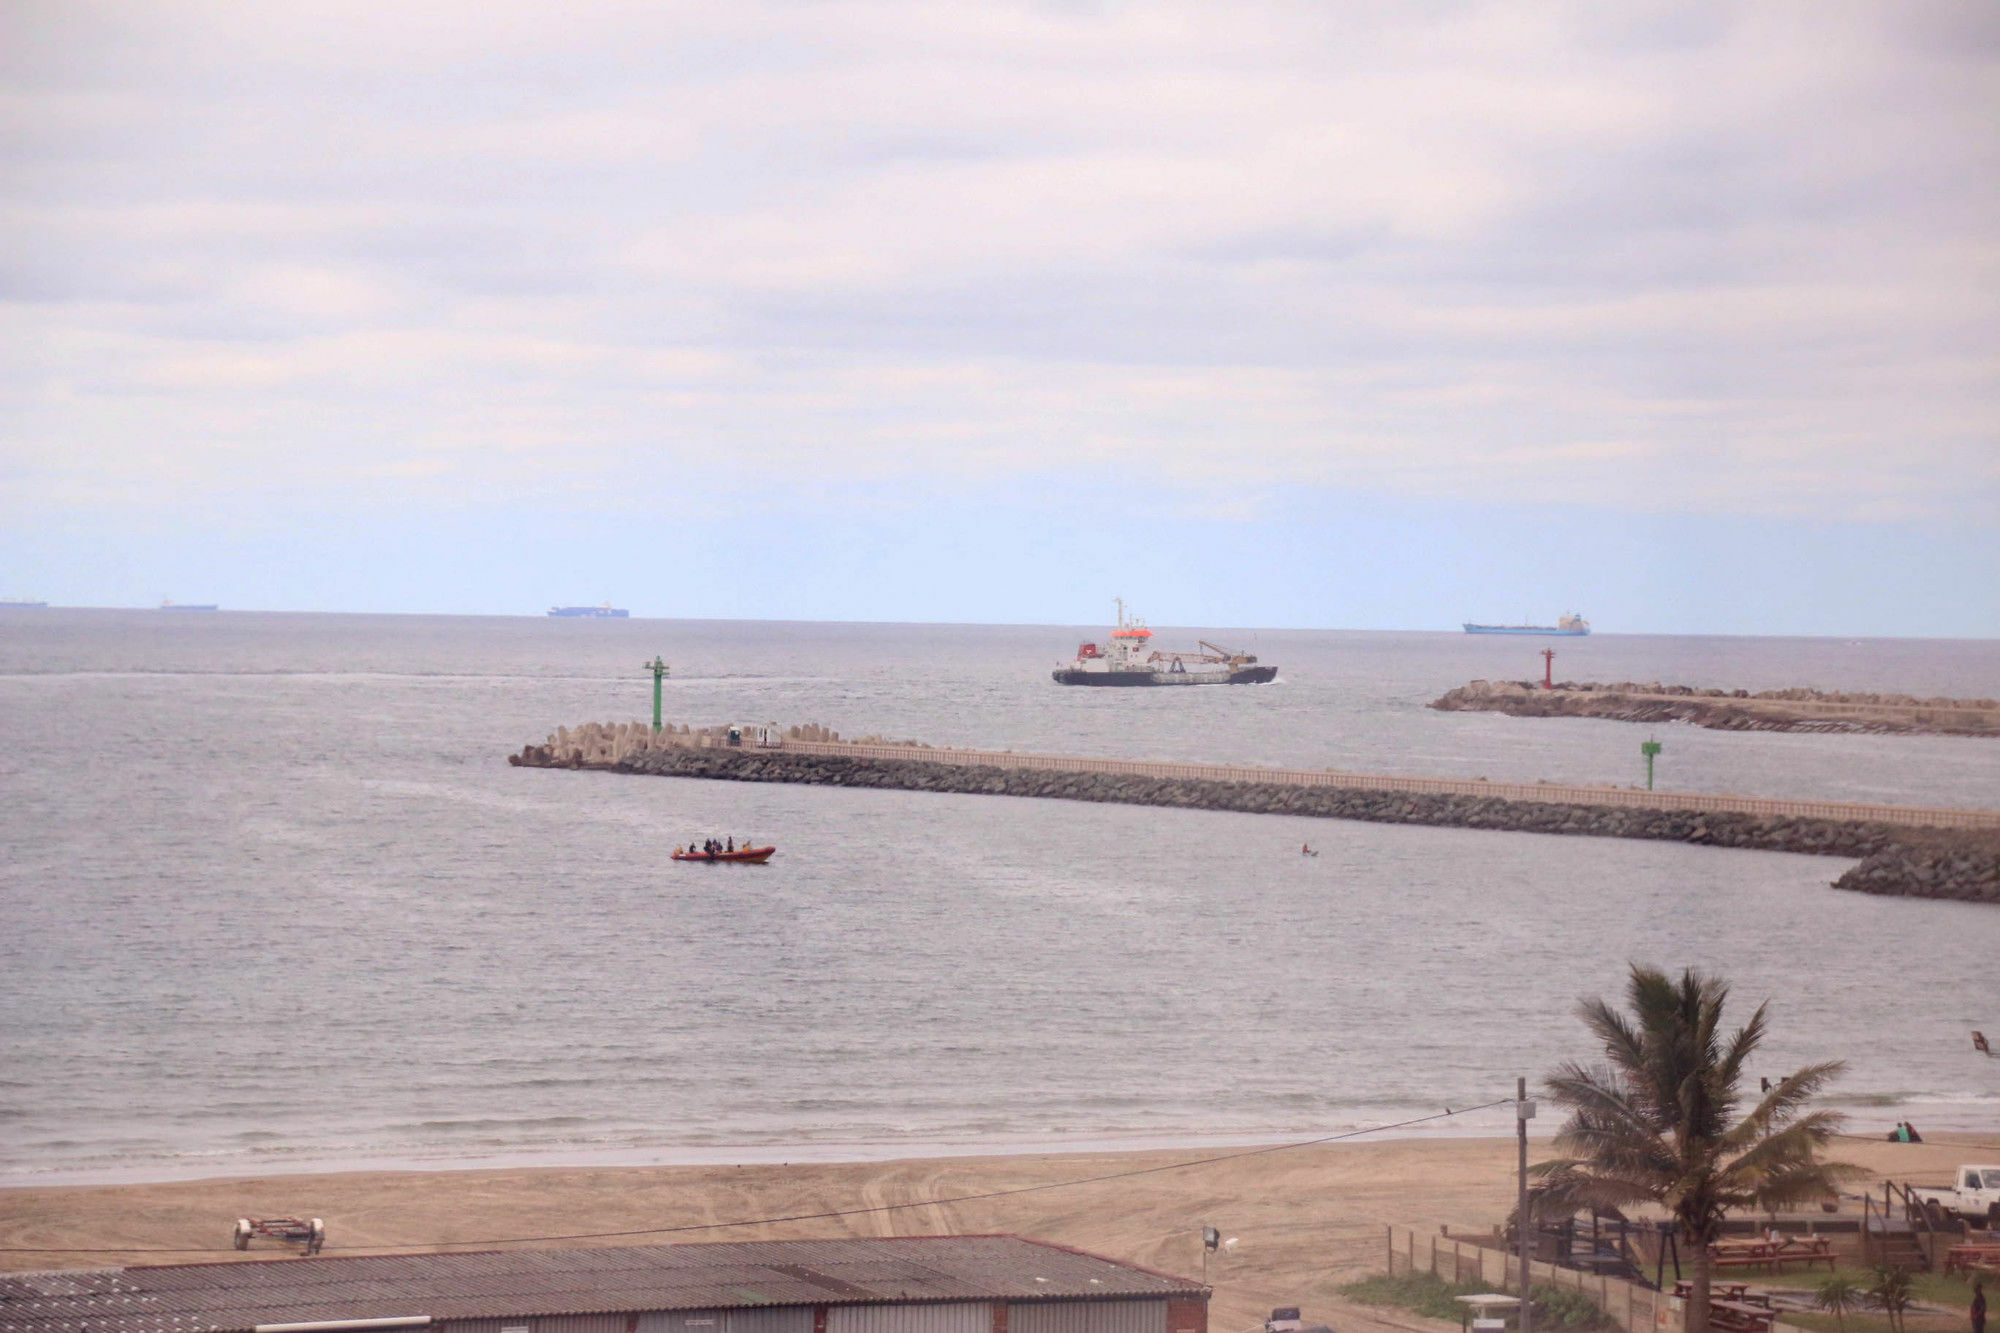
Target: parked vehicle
[(1975, 1197), (1285, 1319)]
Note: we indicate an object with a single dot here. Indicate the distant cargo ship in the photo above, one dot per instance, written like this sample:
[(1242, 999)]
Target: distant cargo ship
[(1571, 624), (602, 611), (1127, 661), (21, 604), (172, 605)]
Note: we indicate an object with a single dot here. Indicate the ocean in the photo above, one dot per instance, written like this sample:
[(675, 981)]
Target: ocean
[(273, 900)]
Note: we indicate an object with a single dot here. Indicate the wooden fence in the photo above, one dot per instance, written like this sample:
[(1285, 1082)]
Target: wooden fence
[(1700, 802), (1635, 1308)]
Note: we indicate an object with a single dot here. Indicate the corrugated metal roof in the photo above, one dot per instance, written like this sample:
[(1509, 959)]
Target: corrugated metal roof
[(221, 1297)]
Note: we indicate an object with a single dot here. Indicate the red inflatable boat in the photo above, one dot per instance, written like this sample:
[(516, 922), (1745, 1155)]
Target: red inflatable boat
[(748, 855)]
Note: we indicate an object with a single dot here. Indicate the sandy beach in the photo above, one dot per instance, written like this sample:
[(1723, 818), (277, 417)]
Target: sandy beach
[(1306, 1219)]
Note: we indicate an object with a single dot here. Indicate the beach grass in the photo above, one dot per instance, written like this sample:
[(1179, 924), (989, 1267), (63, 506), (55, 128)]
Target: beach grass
[(1430, 1295), (1942, 1302)]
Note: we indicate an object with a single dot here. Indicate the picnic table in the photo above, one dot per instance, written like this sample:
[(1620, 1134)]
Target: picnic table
[(1741, 1316), (1808, 1251), (1981, 1257), (1485, 1311), (1723, 1291), (1772, 1254), (1741, 1253)]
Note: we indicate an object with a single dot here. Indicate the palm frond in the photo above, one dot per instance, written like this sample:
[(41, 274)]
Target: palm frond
[(1781, 1106)]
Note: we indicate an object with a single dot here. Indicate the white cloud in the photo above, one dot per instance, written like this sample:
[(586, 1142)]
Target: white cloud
[(1729, 261)]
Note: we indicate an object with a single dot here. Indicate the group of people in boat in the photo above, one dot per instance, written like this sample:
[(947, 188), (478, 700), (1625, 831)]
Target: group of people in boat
[(715, 846)]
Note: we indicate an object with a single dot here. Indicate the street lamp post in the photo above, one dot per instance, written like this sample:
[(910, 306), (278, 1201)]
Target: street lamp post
[(1524, 1111)]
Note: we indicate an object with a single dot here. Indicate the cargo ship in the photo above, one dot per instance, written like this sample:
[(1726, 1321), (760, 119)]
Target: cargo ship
[(21, 604), (602, 611), (171, 605), (1130, 659), (1572, 625)]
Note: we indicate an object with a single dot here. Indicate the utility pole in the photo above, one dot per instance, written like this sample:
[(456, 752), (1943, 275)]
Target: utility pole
[(1524, 1111), (1649, 747), (659, 670)]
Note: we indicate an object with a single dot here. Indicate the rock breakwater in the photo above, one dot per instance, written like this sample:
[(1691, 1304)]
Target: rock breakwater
[(1963, 868), (1730, 710), (1894, 860)]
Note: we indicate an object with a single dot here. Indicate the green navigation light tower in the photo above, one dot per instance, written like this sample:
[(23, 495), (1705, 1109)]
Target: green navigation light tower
[(659, 670), (1647, 747)]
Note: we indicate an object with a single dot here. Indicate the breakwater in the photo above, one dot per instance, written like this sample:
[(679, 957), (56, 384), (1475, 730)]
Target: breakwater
[(1729, 710), (1941, 854)]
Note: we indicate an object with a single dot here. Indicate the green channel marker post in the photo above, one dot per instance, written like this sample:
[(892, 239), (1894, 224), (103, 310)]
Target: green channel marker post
[(1649, 748), (659, 670)]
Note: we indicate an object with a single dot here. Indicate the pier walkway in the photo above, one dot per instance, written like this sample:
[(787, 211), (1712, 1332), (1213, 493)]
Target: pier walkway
[(1554, 793)]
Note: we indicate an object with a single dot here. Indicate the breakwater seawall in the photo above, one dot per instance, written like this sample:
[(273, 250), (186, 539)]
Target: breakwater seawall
[(1903, 851), (1729, 710)]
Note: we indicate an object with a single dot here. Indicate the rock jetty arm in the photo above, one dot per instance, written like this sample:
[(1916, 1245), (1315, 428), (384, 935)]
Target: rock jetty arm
[(1894, 860), (1730, 710)]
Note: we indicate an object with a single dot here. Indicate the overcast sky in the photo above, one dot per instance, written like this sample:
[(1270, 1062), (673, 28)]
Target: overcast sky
[(1685, 316)]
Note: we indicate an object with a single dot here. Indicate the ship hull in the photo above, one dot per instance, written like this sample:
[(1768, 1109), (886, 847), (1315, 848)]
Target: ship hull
[(1256, 675), (590, 612), (1527, 629)]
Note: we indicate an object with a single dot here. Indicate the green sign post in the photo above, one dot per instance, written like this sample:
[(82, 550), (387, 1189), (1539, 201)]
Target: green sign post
[(1649, 748), (659, 670)]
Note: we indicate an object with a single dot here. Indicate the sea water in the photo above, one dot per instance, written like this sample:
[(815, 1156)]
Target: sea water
[(272, 899)]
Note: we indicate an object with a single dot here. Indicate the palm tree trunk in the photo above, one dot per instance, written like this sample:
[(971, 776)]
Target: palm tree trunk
[(1697, 1311)]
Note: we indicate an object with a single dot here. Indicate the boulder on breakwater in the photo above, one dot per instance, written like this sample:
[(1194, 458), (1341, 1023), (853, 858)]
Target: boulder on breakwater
[(1895, 860), (1965, 868)]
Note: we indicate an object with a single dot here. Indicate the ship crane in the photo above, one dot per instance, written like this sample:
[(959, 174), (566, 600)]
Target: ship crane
[(1215, 656), (1227, 654)]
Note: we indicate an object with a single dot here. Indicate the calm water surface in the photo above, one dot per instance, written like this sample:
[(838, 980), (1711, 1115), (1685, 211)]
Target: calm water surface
[(271, 898)]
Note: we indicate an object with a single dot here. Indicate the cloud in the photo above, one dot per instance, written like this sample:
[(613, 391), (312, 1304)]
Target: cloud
[(1737, 261)]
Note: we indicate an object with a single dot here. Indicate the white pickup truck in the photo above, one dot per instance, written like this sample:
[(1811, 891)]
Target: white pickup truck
[(1975, 1197)]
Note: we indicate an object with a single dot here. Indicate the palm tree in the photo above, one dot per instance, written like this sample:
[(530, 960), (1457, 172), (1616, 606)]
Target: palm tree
[(1838, 1295), (1891, 1294), (1657, 1121)]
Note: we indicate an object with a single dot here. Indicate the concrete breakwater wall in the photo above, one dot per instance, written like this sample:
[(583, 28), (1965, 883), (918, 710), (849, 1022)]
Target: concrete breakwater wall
[(1896, 859), (1729, 710)]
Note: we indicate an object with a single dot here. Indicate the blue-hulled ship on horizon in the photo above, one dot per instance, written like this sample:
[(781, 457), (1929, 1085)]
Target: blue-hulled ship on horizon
[(1570, 625)]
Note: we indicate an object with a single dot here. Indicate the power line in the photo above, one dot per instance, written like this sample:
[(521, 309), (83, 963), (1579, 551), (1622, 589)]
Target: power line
[(838, 1212)]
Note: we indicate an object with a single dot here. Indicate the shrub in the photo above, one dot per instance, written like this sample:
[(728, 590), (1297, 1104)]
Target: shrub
[(1428, 1294)]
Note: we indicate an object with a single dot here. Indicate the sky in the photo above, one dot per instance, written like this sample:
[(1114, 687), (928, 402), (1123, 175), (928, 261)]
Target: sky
[(1354, 315)]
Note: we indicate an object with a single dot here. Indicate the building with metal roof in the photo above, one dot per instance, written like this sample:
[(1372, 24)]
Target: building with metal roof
[(928, 1284)]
